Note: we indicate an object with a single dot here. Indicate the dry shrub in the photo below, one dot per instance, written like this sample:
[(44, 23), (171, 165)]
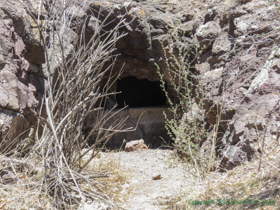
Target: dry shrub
[(75, 66)]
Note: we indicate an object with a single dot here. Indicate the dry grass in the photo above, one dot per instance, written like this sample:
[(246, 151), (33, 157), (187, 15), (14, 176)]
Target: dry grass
[(117, 184), (73, 92), (27, 192), (241, 183)]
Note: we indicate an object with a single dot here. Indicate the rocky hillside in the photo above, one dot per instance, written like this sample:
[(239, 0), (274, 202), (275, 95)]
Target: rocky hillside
[(231, 46), (239, 66)]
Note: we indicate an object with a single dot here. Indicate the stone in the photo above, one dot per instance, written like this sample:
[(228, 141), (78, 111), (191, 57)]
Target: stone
[(233, 157), (18, 92), (202, 68), (135, 145), (7, 177), (207, 33), (157, 177), (12, 126), (221, 45), (33, 68), (276, 66), (27, 29)]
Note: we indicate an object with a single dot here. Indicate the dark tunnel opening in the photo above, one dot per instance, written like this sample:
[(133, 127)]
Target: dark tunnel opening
[(139, 93)]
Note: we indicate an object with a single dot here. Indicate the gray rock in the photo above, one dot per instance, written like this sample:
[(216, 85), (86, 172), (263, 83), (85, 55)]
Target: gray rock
[(7, 177), (207, 33), (234, 156)]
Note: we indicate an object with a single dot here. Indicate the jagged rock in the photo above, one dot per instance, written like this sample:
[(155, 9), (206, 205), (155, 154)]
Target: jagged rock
[(135, 145), (26, 28), (229, 63), (221, 44), (207, 33), (12, 126), (233, 157), (18, 92)]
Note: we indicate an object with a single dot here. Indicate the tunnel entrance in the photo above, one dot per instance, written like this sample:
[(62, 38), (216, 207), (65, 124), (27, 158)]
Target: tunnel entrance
[(146, 103), (139, 93)]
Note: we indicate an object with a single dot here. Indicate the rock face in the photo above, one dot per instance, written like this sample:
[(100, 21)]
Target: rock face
[(20, 83), (146, 26), (239, 66), (241, 80)]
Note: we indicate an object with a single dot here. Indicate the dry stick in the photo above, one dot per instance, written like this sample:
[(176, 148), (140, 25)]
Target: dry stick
[(59, 146), (76, 107), (196, 166), (272, 165), (119, 128), (211, 160), (214, 139), (11, 143), (269, 115), (53, 102), (102, 121), (115, 131)]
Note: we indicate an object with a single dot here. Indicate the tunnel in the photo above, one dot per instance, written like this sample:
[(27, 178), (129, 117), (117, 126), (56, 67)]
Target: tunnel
[(139, 93), (146, 103)]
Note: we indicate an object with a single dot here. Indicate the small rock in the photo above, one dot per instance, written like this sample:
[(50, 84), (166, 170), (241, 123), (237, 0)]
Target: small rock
[(157, 177), (98, 155), (7, 177), (33, 68), (135, 145)]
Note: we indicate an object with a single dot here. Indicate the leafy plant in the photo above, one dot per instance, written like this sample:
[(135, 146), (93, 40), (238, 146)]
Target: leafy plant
[(188, 128)]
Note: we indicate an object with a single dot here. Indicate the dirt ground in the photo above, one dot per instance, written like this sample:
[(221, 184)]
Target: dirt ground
[(146, 193)]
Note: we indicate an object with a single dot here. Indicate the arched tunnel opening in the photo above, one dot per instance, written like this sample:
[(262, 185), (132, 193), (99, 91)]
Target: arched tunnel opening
[(139, 93), (146, 104)]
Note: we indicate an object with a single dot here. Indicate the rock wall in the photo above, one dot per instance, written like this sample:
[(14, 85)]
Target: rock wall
[(21, 84), (240, 75), (239, 68), (149, 124)]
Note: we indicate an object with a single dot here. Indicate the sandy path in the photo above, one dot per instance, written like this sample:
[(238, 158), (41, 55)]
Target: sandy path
[(149, 194)]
